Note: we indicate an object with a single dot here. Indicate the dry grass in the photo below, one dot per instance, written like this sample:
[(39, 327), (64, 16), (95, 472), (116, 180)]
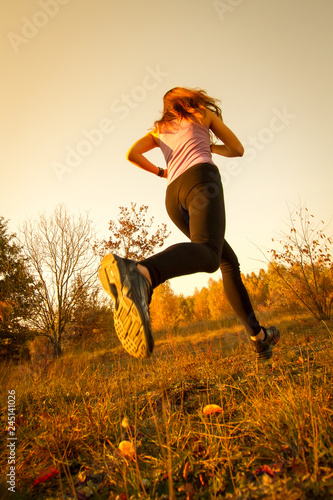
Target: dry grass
[(272, 440)]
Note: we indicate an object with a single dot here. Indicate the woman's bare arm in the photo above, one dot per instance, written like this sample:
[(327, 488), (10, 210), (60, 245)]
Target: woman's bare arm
[(231, 144), (136, 154)]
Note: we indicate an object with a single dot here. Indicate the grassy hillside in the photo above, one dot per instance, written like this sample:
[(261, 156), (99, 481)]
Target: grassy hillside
[(271, 439)]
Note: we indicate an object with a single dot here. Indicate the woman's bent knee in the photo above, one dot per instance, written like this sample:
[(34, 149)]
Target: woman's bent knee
[(210, 258), (212, 264)]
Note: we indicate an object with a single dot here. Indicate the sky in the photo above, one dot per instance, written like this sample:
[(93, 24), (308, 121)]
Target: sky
[(82, 80)]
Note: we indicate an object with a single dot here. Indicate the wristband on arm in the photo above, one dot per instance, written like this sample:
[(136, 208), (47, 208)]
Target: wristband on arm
[(160, 172)]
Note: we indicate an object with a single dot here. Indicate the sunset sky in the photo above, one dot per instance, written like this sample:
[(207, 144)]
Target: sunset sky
[(83, 79)]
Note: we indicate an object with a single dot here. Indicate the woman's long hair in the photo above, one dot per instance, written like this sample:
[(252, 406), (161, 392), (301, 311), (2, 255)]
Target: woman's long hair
[(186, 104)]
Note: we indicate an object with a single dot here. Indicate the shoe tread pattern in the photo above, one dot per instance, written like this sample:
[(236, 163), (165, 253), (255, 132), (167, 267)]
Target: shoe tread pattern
[(127, 320)]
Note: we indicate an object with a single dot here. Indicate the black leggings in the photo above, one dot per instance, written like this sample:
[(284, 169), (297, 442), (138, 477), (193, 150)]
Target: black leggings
[(195, 203)]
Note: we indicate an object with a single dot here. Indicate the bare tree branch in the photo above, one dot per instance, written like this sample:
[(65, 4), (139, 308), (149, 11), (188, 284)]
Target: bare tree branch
[(59, 251)]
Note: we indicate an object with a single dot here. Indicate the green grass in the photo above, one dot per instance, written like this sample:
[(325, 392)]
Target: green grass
[(277, 417)]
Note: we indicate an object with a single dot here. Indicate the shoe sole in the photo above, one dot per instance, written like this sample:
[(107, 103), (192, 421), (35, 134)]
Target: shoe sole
[(129, 320)]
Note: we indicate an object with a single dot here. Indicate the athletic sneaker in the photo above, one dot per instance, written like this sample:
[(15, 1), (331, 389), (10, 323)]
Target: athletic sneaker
[(131, 293), (264, 348)]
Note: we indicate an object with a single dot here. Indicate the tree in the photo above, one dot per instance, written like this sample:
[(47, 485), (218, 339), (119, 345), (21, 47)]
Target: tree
[(16, 295), (257, 286), (186, 306), (304, 265), (131, 236), (169, 310), (218, 303), (91, 318), (59, 253), (201, 306), (164, 307)]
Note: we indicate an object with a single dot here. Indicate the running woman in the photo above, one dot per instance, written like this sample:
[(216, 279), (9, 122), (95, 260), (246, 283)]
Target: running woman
[(195, 203)]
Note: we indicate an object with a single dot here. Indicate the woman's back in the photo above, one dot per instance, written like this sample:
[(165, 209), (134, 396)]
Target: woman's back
[(183, 145)]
